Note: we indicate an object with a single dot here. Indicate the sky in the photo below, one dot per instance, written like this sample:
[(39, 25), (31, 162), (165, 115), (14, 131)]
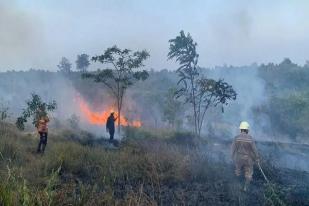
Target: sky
[(37, 33)]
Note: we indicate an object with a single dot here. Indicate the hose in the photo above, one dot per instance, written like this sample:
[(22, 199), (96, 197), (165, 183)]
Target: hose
[(270, 186), (260, 168)]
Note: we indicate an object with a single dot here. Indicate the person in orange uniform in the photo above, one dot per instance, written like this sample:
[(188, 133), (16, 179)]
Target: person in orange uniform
[(43, 132), (244, 153)]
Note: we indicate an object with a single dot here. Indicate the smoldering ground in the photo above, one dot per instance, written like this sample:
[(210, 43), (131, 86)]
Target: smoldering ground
[(16, 88)]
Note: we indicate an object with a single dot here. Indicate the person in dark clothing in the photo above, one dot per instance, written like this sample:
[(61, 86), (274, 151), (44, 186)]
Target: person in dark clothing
[(43, 142), (43, 131), (110, 126)]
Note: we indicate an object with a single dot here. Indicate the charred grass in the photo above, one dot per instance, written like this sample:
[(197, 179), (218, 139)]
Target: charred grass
[(147, 168)]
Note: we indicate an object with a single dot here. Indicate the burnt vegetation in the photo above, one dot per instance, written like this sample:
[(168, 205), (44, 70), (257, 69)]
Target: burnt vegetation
[(146, 169), (180, 155)]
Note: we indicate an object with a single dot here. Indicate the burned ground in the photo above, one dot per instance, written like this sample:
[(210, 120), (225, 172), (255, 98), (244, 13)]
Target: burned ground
[(80, 170)]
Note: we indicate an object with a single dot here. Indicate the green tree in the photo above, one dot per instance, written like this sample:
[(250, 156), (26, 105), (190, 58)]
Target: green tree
[(36, 108), (289, 113), (82, 62), (211, 93), (64, 65), (198, 91), (121, 72)]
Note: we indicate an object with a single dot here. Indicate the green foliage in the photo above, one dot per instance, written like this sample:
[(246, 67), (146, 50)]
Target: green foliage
[(287, 107), (82, 62), (124, 72), (183, 49), (36, 108), (200, 92), (290, 113), (50, 188), (271, 196), (6, 195), (148, 168), (15, 190), (215, 92), (25, 196)]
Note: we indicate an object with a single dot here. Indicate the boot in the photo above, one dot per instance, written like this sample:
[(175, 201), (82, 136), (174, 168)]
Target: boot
[(246, 186), (43, 148), (39, 148)]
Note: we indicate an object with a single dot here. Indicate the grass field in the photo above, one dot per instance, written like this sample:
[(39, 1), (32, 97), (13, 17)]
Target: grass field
[(147, 168)]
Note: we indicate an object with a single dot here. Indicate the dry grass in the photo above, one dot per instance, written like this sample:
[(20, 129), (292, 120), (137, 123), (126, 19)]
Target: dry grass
[(145, 170)]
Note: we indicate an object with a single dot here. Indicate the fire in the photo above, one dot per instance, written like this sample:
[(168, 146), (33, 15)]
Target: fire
[(100, 118)]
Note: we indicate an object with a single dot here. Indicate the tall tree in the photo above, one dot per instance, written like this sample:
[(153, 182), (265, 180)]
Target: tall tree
[(200, 92), (121, 72), (64, 65), (82, 62), (183, 48)]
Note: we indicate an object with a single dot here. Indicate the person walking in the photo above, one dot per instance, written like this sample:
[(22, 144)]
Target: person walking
[(244, 153)]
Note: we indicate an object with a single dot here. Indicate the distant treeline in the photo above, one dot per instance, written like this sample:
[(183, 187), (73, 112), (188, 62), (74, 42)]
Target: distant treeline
[(273, 96)]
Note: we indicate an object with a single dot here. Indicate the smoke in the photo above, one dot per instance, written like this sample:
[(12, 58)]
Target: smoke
[(16, 88), (250, 89), (20, 37), (87, 100), (251, 94), (145, 101)]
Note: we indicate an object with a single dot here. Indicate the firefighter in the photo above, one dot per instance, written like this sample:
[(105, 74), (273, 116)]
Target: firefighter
[(244, 153), (110, 126), (43, 132)]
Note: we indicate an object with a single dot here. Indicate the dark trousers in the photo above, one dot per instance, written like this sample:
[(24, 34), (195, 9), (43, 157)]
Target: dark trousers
[(43, 142), (111, 134)]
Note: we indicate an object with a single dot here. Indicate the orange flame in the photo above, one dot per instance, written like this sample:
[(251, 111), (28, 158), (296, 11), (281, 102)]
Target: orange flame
[(100, 118)]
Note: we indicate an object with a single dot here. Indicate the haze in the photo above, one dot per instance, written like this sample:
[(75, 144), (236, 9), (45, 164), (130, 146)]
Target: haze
[(36, 34)]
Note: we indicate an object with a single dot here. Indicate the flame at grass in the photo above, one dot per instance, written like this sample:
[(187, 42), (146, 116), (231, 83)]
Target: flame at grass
[(100, 118)]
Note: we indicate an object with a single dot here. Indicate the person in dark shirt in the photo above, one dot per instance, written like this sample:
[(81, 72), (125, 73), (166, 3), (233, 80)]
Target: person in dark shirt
[(110, 126)]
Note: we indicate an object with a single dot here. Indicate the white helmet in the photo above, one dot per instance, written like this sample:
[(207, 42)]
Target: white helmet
[(244, 125)]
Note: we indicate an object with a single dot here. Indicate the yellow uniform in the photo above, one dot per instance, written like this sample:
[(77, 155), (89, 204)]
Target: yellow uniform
[(244, 154), (42, 124)]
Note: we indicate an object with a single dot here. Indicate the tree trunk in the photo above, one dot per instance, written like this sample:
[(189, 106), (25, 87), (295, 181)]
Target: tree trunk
[(194, 108), (119, 114)]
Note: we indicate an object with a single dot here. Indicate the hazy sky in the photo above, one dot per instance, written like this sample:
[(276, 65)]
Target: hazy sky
[(37, 33)]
